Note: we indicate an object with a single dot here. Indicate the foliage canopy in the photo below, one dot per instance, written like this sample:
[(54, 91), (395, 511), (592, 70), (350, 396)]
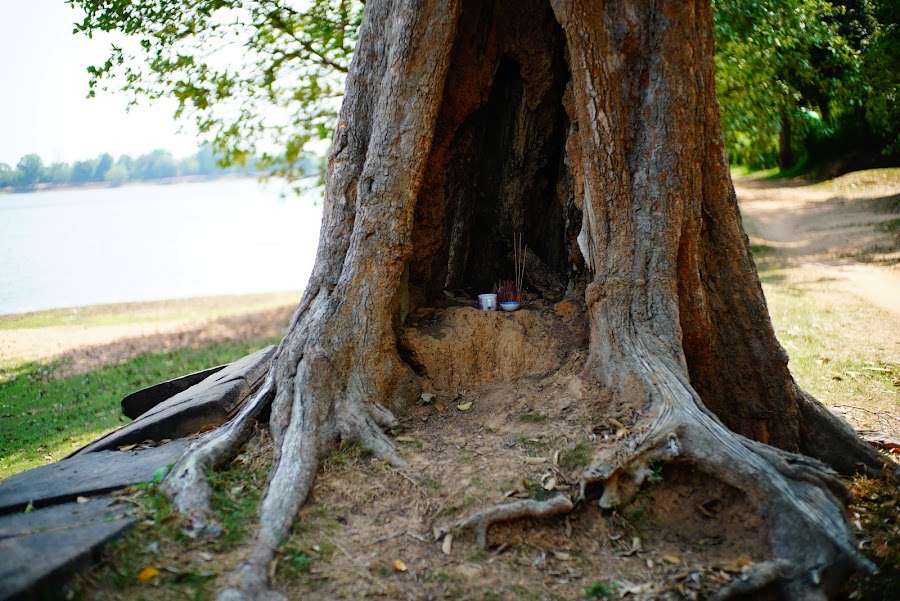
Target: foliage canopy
[(265, 77), (828, 71), (258, 77)]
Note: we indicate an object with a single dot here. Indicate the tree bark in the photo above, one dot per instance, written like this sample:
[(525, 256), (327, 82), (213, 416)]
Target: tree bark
[(593, 129), (785, 151)]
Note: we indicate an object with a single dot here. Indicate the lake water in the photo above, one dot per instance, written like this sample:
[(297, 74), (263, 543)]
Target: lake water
[(83, 247)]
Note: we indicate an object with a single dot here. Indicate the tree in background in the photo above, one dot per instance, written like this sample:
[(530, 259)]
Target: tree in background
[(807, 80), (58, 173), (258, 77), (103, 164), (7, 175), (30, 170), (83, 171)]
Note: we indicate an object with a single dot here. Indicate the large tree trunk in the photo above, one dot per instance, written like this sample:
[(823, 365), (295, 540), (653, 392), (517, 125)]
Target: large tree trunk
[(593, 129)]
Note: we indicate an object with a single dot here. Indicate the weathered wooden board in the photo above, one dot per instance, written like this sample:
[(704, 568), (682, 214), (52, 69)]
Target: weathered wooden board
[(85, 475), (67, 515), (203, 406), (44, 546), (141, 401)]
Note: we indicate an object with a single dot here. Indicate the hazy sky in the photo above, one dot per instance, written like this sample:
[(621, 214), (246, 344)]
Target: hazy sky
[(43, 84)]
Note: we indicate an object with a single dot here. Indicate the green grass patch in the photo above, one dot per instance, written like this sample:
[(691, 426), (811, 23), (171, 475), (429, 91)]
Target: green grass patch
[(577, 455), (185, 567), (892, 226), (745, 171), (212, 307), (44, 419), (602, 589)]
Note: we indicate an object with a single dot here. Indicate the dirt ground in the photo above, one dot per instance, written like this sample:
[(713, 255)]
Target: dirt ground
[(368, 530), (830, 230)]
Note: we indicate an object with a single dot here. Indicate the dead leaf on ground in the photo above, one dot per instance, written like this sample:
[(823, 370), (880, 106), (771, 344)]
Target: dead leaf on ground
[(635, 547), (400, 566), (447, 544), (148, 573), (548, 481), (465, 406), (673, 559)]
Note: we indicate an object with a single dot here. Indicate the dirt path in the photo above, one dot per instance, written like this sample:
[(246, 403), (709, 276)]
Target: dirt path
[(831, 230)]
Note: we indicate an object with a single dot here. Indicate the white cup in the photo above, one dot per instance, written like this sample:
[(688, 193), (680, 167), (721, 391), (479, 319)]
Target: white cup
[(487, 302)]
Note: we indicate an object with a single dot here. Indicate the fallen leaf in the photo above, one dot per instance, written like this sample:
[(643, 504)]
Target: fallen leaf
[(616, 423), (556, 457), (548, 481), (439, 406), (400, 566), (465, 406), (127, 447), (635, 547), (448, 542), (405, 439), (535, 460), (81, 500), (562, 555), (673, 559), (621, 432), (148, 573)]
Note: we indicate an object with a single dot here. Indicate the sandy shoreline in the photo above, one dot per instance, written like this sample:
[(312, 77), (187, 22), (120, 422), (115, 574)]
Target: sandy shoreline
[(87, 338)]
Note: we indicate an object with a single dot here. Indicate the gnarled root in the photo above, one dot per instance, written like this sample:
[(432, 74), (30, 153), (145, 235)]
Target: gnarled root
[(801, 499), (507, 512), (186, 484), (315, 425)]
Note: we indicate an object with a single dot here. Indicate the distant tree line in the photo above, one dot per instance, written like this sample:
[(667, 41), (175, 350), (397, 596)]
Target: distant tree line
[(31, 170), (809, 82)]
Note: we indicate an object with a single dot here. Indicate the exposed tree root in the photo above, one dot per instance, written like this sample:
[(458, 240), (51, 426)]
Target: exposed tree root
[(186, 484), (757, 578), (801, 499), (507, 512), (316, 424)]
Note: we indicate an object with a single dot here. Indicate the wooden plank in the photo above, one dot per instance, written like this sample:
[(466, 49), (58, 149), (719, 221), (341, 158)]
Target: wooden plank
[(35, 562), (85, 475), (205, 405), (139, 402)]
